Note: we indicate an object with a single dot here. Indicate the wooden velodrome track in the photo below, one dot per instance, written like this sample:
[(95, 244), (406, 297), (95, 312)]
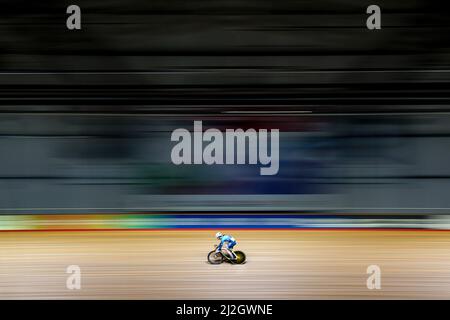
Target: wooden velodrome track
[(171, 264)]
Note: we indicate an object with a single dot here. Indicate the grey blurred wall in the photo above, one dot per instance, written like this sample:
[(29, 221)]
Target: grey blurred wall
[(358, 164), (85, 116)]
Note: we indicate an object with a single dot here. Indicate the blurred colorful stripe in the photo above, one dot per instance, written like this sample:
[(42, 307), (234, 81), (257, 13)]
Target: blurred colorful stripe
[(81, 222), (208, 221)]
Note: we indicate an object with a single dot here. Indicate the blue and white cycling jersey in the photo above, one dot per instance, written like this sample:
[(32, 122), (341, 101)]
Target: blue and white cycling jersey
[(231, 242)]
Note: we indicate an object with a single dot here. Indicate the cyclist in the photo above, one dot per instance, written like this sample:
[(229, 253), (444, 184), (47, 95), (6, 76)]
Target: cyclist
[(230, 243)]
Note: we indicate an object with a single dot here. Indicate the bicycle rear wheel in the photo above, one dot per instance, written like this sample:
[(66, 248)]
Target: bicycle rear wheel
[(215, 257)]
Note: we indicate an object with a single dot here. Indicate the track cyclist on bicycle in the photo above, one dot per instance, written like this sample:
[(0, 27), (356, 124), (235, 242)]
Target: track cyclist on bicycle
[(229, 241)]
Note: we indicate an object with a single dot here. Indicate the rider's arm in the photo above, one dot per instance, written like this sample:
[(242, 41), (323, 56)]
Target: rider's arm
[(219, 247)]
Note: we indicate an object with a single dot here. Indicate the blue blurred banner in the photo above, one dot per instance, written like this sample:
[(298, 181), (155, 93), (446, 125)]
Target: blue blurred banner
[(132, 221)]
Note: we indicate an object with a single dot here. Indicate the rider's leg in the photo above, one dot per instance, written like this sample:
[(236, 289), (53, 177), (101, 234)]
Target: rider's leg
[(230, 249), (229, 254)]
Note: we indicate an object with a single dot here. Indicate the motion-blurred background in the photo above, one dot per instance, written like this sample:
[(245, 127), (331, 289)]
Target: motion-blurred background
[(86, 118)]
